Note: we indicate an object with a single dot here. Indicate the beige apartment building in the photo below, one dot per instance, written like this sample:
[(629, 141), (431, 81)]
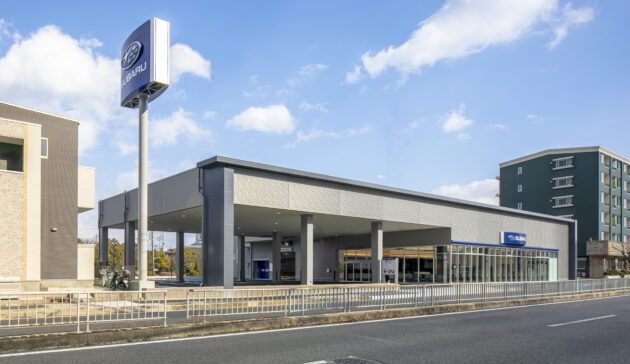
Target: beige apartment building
[(42, 190)]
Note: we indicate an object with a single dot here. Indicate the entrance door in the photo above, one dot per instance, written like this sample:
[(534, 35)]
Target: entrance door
[(287, 266), (261, 269)]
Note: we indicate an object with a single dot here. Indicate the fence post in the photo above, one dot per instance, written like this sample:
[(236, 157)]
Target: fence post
[(164, 293), (302, 302), (78, 312), (526, 285), (458, 293), (87, 313), (485, 289), (505, 291), (286, 301), (187, 305), (204, 306)]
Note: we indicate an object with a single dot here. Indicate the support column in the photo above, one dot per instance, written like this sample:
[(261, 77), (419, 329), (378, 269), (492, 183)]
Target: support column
[(241, 259), (377, 251), (103, 245), (306, 249), (130, 244), (179, 256), (276, 242), (217, 188)]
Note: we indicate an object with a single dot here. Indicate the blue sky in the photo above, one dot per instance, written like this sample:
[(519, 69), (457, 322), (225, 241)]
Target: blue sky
[(425, 95)]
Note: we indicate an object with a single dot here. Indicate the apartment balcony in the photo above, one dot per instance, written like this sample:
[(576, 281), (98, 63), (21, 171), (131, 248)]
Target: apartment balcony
[(86, 197)]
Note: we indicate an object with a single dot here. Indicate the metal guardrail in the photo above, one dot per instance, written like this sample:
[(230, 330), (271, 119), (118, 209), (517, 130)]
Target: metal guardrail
[(77, 308), (208, 303)]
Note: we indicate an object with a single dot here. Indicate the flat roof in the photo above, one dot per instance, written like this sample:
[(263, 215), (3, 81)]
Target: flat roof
[(220, 160), (564, 151), (36, 111)]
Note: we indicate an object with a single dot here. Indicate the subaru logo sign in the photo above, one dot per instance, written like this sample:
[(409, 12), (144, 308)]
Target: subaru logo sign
[(513, 238), (131, 55), (144, 62)]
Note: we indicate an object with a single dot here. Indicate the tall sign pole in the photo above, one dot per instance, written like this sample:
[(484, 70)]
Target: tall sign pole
[(144, 77)]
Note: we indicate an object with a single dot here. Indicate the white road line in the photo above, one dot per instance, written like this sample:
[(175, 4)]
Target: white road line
[(579, 321), (290, 329)]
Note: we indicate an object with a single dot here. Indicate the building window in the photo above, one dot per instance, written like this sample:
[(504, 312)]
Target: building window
[(563, 182), (44, 148), (563, 163), (11, 157), (519, 188), (563, 201), (615, 164), (615, 182), (519, 170), (519, 205), (625, 203), (615, 237), (615, 220), (616, 201)]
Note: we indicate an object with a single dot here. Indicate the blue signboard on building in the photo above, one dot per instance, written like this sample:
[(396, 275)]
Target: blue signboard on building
[(518, 239), (144, 62)]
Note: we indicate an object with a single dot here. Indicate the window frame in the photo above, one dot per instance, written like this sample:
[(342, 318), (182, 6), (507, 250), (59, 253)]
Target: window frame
[(41, 148)]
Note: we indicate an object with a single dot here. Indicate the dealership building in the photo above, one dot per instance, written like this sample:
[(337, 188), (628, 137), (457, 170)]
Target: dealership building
[(262, 222)]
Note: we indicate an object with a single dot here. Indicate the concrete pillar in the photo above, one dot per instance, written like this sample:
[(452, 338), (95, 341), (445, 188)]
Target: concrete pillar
[(179, 256), (306, 249), (241, 259), (217, 226), (377, 251), (276, 243), (130, 244), (103, 245)]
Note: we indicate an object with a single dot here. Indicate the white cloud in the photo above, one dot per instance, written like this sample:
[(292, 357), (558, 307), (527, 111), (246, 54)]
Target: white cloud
[(306, 72), (301, 136), (186, 60), (535, 119), (166, 131), (312, 68), (456, 121), (461, 28), (270, 119), (567, 19), (313, 107), (498, 126), (413, 125), (462, 137), (209, 115), (479, 191), (126, 147), (354, 76), (51, 71), (380, 176)]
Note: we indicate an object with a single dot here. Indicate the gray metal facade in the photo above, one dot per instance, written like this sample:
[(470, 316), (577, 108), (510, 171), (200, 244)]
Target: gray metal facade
[(259, 192)]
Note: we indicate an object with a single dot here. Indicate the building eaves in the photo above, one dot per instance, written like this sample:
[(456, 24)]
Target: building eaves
[(219, 160)]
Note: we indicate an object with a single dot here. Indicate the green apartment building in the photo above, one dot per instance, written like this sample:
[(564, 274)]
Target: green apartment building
[(588, 184)]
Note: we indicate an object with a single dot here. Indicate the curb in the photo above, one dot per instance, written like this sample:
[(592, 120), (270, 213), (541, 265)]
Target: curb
[(12, 344)]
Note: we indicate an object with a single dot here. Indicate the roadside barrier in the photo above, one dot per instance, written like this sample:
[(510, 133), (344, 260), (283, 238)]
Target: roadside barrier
[(80, 309), (258, 302)]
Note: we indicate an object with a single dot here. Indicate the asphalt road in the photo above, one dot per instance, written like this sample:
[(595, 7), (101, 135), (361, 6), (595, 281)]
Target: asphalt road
[(569, 332)]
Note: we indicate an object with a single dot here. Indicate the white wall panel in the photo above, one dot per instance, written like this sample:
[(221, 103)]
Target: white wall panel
[(261, 189), (398, 208), (361, 203), (314, 196)]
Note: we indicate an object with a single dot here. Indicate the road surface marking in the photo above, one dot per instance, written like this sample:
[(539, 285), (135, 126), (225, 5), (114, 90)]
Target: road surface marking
[(52, 351), (580, 321)]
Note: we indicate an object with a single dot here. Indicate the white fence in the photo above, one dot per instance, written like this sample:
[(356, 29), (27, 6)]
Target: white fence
[(207, 303), (72, 308)]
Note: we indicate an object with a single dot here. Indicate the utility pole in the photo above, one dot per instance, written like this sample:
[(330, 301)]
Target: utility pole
[(152, 255)]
